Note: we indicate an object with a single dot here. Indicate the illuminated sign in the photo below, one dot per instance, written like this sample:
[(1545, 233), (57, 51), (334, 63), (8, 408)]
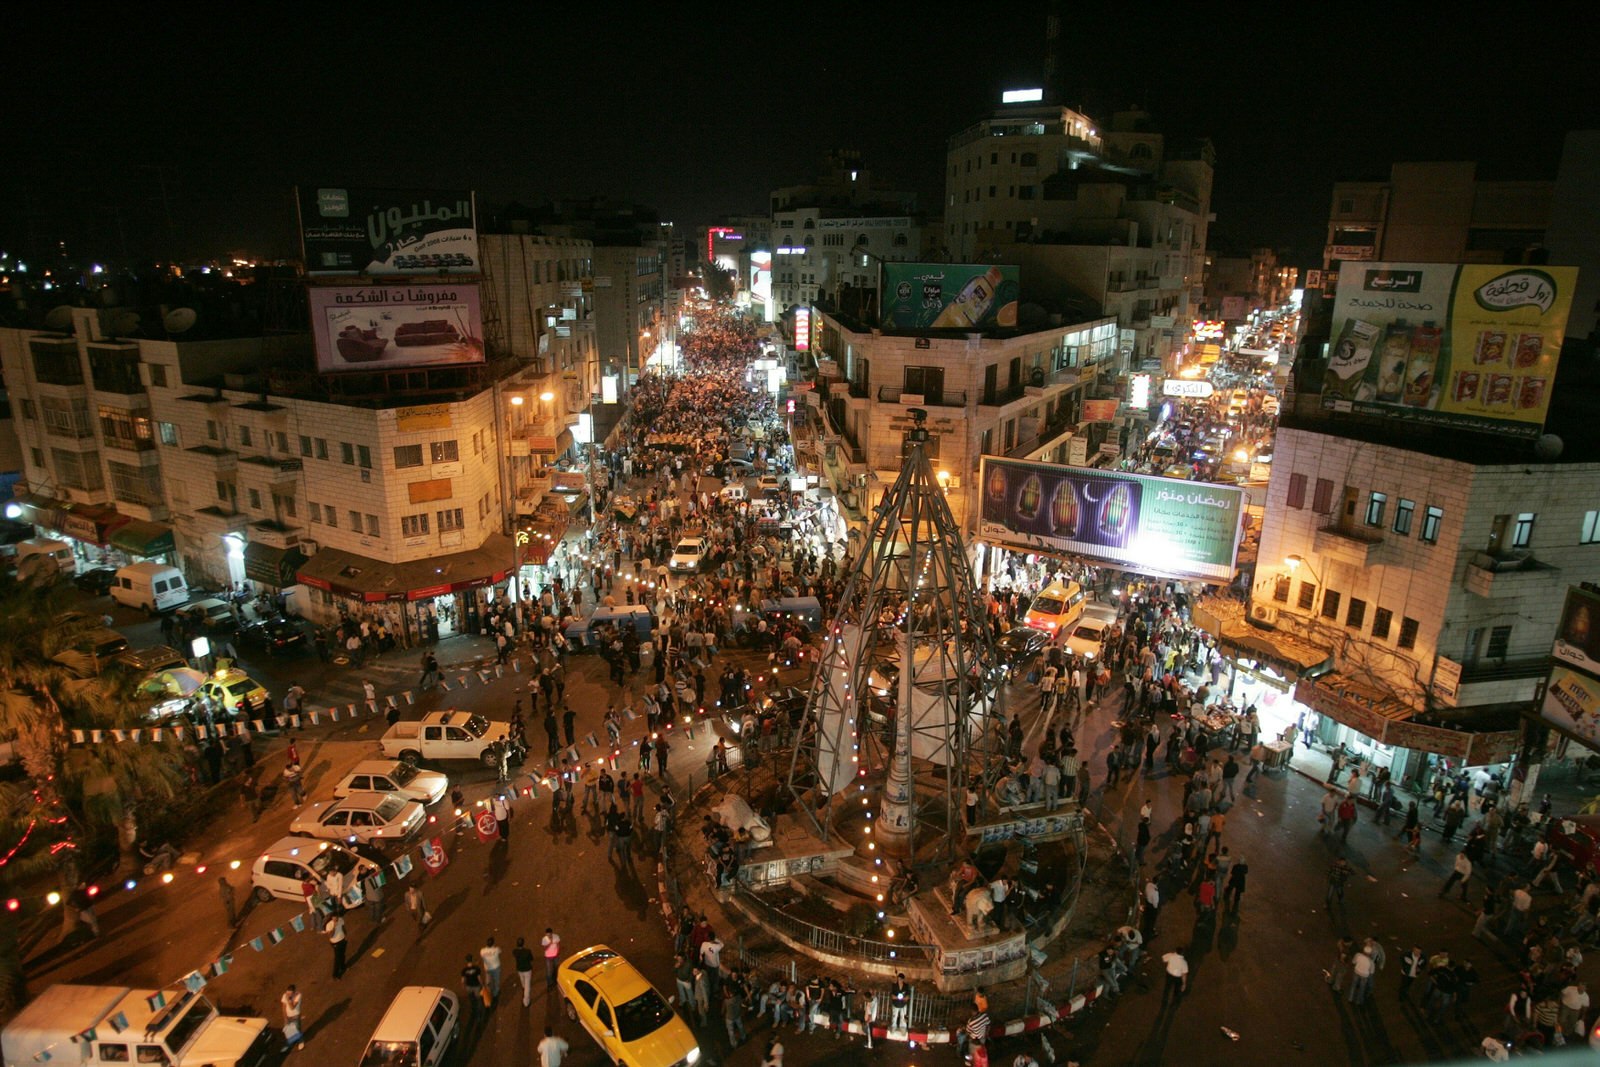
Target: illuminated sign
[(1182, 387), (385, 327), (1165, 526), (791, 250), (1139, 391), (356, 230), (802, 329), (949, 295), (713, 233), (1022, 96)]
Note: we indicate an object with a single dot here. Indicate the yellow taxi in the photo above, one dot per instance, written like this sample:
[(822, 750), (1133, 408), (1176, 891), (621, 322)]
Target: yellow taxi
[(227, 688), (632, 1022)]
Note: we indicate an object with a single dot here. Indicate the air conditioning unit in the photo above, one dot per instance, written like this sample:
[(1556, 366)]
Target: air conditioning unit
[(1264, 615)]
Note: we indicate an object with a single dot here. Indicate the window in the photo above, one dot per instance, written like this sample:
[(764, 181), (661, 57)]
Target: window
[(283, 441), (331, 515), (372, 526), (1499, 642), (1403, 509), (450, 519), (285, 504), (158, 375), (27, 408), (1522, 530), (245, 438), (413, 525), (66, 418), (355, 521), (1431, 520), (1347, 206), (926, 382), (347, 452), (77, 470), (1280, 589), (1030, 159), (1408, 633), (124, 429), (1330, 605), (407, 456), (322, 448), (255, 499), (56, 361), (364, 456), (222, 489), (1308, 595), (1590, 534), (305, 446), (211, 430), (168, 432), (38, 456), (1356, 614), (1376, 503), (443, 452), (135, 484), (1322, 501), (1297, 490), (316, 510)]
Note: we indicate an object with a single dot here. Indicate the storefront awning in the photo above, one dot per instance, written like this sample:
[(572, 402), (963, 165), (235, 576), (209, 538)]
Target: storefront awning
[(137, 537), (42, 511), (272, 566), (1390, 720), (1224, 620), (375, 581), (91, 524)]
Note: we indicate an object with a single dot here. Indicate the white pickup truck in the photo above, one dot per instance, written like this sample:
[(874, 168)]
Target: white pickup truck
[(449, 735), (123, 1028)]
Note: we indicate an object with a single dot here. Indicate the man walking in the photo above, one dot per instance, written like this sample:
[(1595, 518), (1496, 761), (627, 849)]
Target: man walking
[(552, 1050), (1411, 966), (522, 957), (1363, 967), (491, 964), (1236, 886), (900, 1004), (336, 937), (472, 987), (418, 907), (501, 807), (551, 943), (293, 1033), (1462, 873), (1338, 875), (1177, 968)]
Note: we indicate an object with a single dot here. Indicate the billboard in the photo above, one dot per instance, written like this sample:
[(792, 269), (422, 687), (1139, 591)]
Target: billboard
[(384, 327), (1572, 703), (802, 329), (956, 296), (1164, 526), (349, 230), (1578, 636), (1467, 345)]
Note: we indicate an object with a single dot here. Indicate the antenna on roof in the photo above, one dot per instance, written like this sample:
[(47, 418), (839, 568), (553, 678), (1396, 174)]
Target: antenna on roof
[(179, 320)]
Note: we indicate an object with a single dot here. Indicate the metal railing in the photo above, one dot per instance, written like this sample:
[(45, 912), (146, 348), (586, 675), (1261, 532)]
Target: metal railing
[(834, 942)]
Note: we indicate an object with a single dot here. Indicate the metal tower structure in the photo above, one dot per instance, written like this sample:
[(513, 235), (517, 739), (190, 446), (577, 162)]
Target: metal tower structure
[(906, 690)]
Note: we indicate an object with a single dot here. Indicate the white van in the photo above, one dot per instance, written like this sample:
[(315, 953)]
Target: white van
[(58, 551), (152, 586), (1056, 609)]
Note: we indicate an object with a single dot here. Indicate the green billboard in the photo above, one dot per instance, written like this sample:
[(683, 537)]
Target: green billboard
[(953, 296)]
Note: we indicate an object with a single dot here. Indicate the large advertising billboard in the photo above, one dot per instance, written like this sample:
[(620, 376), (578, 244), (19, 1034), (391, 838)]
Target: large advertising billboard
[(1578, 636), (349, 230), (385, 327), (1164, 526), (1469, 345), (937, 296), (1572, 703)]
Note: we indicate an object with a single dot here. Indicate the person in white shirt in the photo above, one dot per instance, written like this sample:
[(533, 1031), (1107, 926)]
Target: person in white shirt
[(1364, 968), (491, 964), (1574, 1008), (552, 1050), (293, 1032), (1177, 968)]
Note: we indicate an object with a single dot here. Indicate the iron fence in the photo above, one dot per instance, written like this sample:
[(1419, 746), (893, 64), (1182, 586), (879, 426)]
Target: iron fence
[(835, 942)]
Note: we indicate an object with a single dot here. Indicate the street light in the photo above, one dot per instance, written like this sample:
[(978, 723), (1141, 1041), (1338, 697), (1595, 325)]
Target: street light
[(1294, 561)]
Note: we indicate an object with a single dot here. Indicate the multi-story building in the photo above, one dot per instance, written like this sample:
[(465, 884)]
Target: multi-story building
[(632, 322), (1239, 284), (1430, 568), (1110, 214), (1016, 392)]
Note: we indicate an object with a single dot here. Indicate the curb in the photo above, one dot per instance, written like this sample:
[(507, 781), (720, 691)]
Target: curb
[(1025, 1025)]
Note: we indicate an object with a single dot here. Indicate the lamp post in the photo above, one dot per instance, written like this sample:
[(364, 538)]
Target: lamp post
[(1294, 563)]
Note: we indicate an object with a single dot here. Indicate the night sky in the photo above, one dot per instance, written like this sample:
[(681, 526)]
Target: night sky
[(171, 137)]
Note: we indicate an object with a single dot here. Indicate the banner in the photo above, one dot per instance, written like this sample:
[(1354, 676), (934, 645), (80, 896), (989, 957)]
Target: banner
[(387, 231), (955, 296), (385, 327), (1163, 526), (1467, 345), (1572, 703), (1099, 410), (1578, 636)]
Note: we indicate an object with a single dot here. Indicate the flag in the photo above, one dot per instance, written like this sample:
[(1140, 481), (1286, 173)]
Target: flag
[(573, 752), (135, 734), (483, 676), (299, 924), (258, 944), (260, 729), (294, 722), (87, 1035), (444, 685), (380, 879), (351, 708), (433, 855), (78, 737), (95, 735), (409, 698), (155, 735), (533, 785), (499, 670), (276, 935), (631, 714), (372, 707), (194, 981), (594, 742), (402, 865), (462, 681), (220, 967), (333, 713), (157, 1001), (516, 665), (393, 703), (352, 897), (314, 719), (119, 1021), (42, 1055)]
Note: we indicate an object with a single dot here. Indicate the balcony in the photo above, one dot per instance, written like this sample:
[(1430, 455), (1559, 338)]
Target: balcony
[(221, 459), (1496, 577), (945, 399), (859, 390), (280, 470), (999, 398), (1356, 545)]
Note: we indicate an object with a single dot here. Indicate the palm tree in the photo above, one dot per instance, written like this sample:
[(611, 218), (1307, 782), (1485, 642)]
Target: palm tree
[(71, 799)]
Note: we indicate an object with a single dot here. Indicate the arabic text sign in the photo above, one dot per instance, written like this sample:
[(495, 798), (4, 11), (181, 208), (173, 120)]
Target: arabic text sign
[(1578, 637), (1474, 346), (388, 231), (385, 327), (1572, 704), (1157, 525)]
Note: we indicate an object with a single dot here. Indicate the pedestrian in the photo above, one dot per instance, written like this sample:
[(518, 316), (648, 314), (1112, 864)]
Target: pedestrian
[(1177, 970), (293, 1031), (374, 894), (711, 959), (491, 966), (229, 907), (662, 748), (552, 1050), (1462, 873), (501, 808), (334, 928), (1411, 965), (551, 943), (1236, 883), (1363, 968), (522, 957), (900, 1003), (1151, 907), (475, 998), (733, 1014), (418, 907), (1574, 1008), (1338, 875), (251, 794)]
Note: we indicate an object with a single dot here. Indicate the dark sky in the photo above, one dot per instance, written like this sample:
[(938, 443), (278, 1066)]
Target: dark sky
[(155, 135)]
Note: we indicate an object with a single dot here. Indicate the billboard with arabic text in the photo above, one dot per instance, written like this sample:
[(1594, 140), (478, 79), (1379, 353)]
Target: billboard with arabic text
[(1467, 345), (1163, 526), (352, 230), (386, 327)]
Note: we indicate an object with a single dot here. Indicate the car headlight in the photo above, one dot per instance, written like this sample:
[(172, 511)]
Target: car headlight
[(693, 1057)]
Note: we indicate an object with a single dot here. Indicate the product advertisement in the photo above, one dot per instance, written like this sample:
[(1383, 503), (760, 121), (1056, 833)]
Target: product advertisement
[(1473, 345), (350, 230), (1163, 526), (955, 296), (385, 327), (1572, 703)]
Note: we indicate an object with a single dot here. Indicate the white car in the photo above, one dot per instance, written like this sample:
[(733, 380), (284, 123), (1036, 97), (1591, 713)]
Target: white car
[(770, 485), (280, 870), (1088, 638), (365, 817), (394, 776), (688, 556)]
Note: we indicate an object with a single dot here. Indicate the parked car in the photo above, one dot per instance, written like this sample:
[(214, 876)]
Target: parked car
[(226, 689), (366, 817), (211, 615), (151, 660), (416, 1031), (96, 581), (627, 1017), (689, 556), (1020, 644), (279, 870), (394, 776), (273, 635)]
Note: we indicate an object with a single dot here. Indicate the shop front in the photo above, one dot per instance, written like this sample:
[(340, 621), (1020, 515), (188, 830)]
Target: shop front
[(88, 528), (1264, 664), (140, 539)]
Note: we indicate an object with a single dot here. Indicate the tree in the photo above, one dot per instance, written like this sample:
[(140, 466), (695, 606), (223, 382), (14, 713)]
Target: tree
[(71, 799)]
